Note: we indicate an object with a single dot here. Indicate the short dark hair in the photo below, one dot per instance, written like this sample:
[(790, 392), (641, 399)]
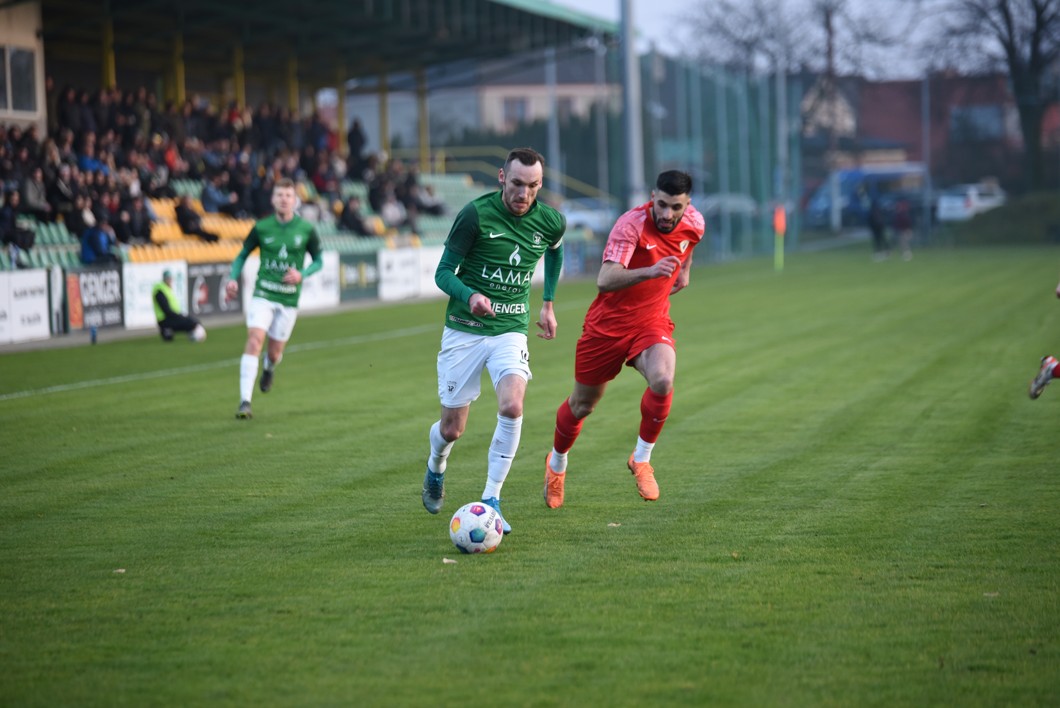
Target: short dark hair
[(674, 182), (525, 155)]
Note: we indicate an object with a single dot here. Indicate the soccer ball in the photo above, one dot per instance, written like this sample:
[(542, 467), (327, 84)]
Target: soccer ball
[(476, 528), (198, 334)]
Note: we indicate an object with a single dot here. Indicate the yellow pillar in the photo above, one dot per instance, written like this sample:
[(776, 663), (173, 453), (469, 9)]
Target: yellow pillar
[(110, 73), (179, 90), (423, 120), (384, 115), (292, 83), (340, 107), (239, 78)]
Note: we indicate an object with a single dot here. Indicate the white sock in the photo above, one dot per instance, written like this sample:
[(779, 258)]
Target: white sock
[(440, 448), (558, 460), (248, 371), (269, 364), (642, 453), (502, 452)]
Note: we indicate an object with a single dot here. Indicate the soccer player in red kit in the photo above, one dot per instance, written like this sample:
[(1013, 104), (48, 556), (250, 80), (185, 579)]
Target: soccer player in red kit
[(647, 259)]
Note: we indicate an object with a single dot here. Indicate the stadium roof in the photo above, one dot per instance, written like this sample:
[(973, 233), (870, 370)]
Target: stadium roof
[(359, 37)]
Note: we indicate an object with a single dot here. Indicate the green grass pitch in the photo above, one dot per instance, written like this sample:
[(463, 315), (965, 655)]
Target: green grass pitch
[(859, 508)]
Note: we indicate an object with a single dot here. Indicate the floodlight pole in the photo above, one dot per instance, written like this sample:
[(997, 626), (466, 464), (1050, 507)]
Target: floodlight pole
[(635, 190)]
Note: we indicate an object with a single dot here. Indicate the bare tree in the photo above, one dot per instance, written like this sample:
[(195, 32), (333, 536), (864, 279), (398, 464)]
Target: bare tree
[(1021, 37), (821, 36)]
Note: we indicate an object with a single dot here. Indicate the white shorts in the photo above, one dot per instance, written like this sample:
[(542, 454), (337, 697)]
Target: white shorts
[(464, 355), (277, 320)]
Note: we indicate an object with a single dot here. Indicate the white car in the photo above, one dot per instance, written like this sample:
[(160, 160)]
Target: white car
[(597, 215), (964, 201)]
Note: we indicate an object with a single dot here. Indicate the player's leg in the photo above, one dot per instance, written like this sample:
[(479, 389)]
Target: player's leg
[(597, 360), (657, 364), (1046, 373), (460, 364), (279, 333), (509, 368), (248, 369), (569, 418)]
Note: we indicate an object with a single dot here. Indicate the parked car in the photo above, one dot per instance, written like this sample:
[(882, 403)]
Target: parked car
[(597, 215), (964, 201), (857, 187)]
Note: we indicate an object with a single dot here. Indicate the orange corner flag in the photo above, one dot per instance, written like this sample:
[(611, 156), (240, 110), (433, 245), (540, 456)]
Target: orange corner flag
[(780, 220)]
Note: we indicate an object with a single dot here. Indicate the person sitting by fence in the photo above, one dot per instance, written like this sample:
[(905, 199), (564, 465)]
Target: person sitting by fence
[(168, 312)]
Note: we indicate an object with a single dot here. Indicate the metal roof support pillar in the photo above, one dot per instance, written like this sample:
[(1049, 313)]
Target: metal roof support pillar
[(423, 120), (384, 116), (340, 108), (292, 82), (110, 73), (239, 77), (179, 89)]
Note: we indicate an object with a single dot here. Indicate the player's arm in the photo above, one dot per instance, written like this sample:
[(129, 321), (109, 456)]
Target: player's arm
[(295, 276), (249, 244), (684, 275), (457, 245), (546, 322), (615, 276)]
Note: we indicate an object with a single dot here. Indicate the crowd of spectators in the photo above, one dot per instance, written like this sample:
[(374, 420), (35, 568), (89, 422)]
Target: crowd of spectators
[(106, 151)]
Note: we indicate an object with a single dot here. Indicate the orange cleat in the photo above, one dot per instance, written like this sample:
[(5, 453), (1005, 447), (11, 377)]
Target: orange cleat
[(645, 476), (553, 486)]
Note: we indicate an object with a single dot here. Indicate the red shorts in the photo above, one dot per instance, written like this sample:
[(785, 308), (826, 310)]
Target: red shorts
[(598, 360)]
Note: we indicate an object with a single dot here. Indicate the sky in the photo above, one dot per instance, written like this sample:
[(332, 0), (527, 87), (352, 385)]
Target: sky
[(651, 22)]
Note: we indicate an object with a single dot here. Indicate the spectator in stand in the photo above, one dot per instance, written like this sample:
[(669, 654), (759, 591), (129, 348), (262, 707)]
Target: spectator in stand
[(218, 199), (62, 194), (96, 244), (191, 223), (356, 143), (87, 160), (35, 197), (16, 237), (352, 220), (425, 200), (393, 212), (134, 222), (81, 217)]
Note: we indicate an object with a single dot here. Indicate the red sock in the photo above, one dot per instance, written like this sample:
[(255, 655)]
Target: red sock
[(653, 412), (567, 428)]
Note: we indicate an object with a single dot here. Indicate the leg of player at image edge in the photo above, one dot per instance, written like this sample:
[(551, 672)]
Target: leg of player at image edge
[(1046, 373)]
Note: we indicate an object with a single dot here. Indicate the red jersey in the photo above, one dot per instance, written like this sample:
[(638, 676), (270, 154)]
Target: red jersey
[(635, 242)]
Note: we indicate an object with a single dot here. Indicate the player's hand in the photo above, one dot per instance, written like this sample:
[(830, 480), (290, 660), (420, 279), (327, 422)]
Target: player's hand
[(481, 306), (293, 276), (546, 322), (681, 283), (231, 289), (1058, 290), (665, 267)]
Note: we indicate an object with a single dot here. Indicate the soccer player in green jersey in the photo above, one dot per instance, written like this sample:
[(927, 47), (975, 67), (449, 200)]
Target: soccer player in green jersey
[(283, 240), (490, 255)]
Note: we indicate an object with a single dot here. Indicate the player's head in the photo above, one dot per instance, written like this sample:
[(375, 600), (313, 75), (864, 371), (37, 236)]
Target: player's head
[(521, 178), (284, 199), (670, 198)]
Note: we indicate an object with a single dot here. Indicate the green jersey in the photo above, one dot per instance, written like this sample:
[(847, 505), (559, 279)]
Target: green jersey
[(282, 245), (494, 252)]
